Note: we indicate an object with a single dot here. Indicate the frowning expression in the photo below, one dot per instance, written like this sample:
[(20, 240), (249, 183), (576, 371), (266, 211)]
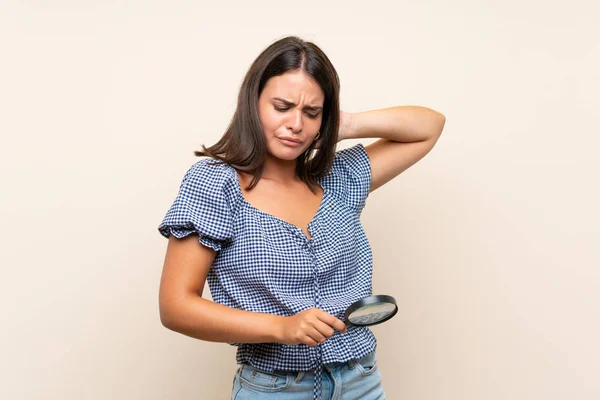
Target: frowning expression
[(291, 110)]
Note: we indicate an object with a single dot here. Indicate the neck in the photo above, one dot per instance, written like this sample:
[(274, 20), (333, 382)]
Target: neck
[(281, 171)]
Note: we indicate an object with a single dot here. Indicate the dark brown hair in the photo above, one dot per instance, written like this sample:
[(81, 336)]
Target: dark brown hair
[(243, 144)]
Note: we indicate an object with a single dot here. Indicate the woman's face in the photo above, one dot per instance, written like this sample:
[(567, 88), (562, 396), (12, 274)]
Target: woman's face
[(290, 109)]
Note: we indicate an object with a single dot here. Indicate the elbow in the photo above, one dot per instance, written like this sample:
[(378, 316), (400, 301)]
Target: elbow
[(166, 320), (440, 122), (435, 126), (168, 317)]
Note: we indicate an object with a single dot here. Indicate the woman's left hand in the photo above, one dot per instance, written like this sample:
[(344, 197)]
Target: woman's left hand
[(345, 125)]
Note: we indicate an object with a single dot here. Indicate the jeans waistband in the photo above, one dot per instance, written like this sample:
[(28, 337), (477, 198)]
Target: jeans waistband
[(299, 375)]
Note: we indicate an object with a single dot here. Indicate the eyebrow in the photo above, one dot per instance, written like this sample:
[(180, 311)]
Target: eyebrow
[(289, 103)]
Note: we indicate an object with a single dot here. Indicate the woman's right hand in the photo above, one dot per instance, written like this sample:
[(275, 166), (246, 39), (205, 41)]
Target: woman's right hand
[(310, 327)]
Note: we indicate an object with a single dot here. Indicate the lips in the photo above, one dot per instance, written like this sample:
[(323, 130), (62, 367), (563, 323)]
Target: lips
[(290, 141)]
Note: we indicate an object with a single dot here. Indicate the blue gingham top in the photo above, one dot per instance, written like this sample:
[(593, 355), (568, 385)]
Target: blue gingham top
[(265, 264)]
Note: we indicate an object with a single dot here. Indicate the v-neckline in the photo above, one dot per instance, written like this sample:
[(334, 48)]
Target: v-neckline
[(255, 209)]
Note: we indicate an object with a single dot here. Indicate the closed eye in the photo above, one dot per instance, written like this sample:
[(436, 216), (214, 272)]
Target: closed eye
[(283, 109)]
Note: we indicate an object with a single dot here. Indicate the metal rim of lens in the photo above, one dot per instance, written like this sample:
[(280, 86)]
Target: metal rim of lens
[(380, 298)]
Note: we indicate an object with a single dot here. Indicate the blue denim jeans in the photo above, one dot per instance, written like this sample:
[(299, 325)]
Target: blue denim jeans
[(355, 379)]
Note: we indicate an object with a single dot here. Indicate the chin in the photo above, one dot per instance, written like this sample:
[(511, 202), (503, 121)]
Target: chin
[(286, 154)]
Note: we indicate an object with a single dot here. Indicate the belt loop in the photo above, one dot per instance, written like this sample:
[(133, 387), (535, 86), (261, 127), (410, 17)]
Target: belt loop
[(300, 376), (352, 364)]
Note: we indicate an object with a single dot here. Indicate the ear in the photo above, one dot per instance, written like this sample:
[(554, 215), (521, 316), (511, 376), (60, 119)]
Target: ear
[(317, 140)]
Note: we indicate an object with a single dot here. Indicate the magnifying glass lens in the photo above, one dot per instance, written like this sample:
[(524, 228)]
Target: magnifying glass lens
[(371, 310), (372, 313)]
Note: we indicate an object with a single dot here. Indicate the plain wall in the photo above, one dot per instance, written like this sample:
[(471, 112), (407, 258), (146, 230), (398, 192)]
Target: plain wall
[(489, 244)]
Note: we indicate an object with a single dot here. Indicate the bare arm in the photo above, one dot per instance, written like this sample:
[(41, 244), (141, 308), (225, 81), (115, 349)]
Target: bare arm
[(407, 134), (182, 308)]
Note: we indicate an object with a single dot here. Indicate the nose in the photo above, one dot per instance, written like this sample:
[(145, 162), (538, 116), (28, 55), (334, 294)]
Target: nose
[(295, 121)]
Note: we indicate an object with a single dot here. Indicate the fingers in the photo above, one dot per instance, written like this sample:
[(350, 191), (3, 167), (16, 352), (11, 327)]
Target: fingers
[(332, 321), (315, 331), (321, 332), (314, 337), (323, 327), (311, 327)]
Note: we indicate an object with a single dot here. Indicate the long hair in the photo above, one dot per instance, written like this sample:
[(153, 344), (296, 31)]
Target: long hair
[(243, 144)]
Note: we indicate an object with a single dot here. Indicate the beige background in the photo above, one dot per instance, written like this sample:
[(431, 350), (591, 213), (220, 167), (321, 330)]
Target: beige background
[(489, 244)]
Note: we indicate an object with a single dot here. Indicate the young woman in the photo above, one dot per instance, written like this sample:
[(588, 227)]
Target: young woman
[(270, 218)]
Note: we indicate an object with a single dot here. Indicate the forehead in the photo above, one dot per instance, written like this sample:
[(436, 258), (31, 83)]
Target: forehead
[(292, 85)]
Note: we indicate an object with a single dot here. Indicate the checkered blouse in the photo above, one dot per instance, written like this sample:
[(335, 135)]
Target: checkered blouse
[(264, 264)]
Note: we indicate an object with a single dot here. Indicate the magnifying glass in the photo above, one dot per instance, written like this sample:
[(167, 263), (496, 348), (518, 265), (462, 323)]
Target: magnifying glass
[(371, 310)]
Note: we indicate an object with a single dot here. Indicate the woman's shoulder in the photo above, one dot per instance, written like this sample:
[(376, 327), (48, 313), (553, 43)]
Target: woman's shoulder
[(206, 204), (349, 163), (210, 177), (355, 156), (350, 176), (209, 170)]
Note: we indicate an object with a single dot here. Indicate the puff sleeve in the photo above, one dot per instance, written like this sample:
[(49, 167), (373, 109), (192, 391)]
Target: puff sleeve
[(201, 207), (350, 177)]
